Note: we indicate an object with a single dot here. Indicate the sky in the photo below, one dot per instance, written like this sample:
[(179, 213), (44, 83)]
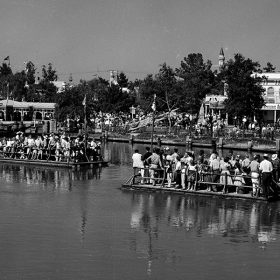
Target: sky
[(91, 37)]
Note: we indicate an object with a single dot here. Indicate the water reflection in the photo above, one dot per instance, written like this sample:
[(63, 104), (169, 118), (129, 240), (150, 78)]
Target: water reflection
[(48, 178), (235, 221)]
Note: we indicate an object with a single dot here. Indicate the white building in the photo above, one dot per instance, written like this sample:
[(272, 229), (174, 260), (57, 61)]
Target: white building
[(271, 85)]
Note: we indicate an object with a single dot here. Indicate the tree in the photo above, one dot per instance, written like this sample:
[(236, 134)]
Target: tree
[(245, 93), (147, 89), (6, 75), (30, 73), (46, 89), (69, 103), (49, 74), (5, 70), (18, 86), (196, 79), (269, 68), (122, 80), (115, 100), (168, 93)]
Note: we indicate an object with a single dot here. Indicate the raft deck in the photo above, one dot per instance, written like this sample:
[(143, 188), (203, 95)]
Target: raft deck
[(49, 163), (149, 187)]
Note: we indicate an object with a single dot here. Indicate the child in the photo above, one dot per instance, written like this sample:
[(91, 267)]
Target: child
[(191, 176)]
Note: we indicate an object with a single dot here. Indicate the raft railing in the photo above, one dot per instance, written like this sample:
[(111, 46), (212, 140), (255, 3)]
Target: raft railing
[(199, 181), (28, 156)]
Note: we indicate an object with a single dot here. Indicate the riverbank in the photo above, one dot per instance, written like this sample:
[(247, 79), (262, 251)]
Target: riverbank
[(189, 143)]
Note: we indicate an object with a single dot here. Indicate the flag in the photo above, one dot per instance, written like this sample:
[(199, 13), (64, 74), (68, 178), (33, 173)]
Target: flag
[(154, 104), (7, 58), (84, 101)]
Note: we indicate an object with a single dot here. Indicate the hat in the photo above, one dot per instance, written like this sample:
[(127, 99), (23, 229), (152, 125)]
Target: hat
[(265, 155), (274, 157), (166, 149)]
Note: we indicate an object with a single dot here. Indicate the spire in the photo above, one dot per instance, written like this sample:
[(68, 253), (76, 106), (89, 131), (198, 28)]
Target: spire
[(221, 59)]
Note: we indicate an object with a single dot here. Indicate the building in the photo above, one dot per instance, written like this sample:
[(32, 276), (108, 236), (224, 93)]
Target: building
[(213, 104), (271, 86), (26, 111)]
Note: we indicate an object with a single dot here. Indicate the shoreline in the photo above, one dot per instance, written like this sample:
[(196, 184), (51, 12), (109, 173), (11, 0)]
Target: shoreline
[(189, 144)]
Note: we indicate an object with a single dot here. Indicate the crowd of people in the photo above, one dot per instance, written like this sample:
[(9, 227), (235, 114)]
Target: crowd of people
[(53, 147), (258, 176)]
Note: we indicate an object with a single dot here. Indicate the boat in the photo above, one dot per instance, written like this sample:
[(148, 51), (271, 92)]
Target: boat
[(201, 188), (50, 163)]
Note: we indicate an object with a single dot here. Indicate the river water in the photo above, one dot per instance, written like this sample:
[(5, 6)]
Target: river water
[(61, 224)]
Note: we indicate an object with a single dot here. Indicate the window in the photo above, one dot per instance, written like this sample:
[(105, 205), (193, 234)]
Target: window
[(270, 92)]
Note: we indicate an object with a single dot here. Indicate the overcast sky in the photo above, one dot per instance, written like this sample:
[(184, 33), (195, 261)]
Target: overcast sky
[(87, 37)]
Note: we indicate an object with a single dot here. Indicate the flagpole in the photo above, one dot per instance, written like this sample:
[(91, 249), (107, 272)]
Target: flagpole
[(85, 112), (153, 122)]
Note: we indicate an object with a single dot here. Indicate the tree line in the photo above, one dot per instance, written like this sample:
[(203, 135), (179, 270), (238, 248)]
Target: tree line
[(182, 88)]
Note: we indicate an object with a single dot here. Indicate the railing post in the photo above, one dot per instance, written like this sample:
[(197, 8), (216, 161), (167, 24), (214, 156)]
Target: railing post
[(188, 142), (131, 139), (159, 142), (225, 182), (220, 143), (163, 179), (278, 146), (196, 179), (250, 146)]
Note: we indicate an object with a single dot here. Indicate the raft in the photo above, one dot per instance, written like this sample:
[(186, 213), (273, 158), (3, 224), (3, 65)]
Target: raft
[(49, 163), (134, 184)]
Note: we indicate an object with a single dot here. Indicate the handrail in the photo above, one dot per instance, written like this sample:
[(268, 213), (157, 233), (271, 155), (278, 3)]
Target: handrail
[(199, 180), (65, 158)]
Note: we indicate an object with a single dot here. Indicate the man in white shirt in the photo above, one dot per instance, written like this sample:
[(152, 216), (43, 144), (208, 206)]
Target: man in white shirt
[(266, 168), (138, 164)]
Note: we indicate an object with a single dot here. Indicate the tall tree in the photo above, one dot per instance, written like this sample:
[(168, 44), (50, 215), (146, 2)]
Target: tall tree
[(48, 73), (168, 92), (122, 80), (30, 73), (197, 80), (147, 89), (46, 88), (6, 76), (245, 93)]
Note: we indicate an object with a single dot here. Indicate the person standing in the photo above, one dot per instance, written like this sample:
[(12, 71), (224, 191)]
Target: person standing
[(155, 165), (137, 163), (215, 169), (245, 166), (266, 169), (146, 164), (276, 167), (254, 168)]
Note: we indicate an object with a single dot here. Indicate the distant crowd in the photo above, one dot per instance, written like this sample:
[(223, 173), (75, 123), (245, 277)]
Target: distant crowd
[(54, 147)]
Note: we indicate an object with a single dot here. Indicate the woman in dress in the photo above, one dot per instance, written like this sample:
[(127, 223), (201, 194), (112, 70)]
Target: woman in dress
[(238, 178), (225, 178), (191, 176)]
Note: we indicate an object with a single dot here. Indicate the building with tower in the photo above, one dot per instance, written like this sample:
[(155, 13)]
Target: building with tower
[(214, 104)]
